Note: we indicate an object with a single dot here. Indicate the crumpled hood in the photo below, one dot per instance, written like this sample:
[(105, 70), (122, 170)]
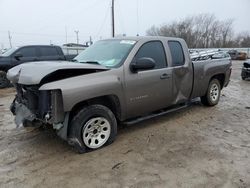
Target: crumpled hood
[(32, 73)]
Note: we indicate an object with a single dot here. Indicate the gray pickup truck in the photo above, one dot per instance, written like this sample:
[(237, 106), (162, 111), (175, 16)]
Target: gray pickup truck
[(116, 80)]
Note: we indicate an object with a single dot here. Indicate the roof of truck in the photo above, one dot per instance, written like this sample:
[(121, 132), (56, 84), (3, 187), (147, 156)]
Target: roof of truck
[(43, 45), (145, 37)]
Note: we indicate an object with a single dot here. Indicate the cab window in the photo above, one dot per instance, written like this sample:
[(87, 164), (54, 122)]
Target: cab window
[(155, 51), (27, 52), (177, 54), (48, 51)]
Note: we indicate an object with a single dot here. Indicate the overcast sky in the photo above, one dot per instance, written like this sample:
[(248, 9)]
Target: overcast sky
[(45, 21)]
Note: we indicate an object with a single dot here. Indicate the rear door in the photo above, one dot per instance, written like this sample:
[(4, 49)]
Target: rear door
[(149, 90), (182, 71), (47, 53), (26, 54)]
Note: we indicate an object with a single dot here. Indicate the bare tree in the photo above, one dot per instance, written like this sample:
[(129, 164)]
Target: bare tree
[(226, 32), (153, 31), (200, 31), (243, 39)]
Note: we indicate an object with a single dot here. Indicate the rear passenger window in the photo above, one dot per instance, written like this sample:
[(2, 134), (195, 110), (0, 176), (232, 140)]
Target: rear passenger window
[(27, 52), (155, 51), (177, 54), (48, 51)]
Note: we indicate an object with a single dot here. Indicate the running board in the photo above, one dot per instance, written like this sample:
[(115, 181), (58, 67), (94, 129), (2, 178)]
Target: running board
[(137, 120)]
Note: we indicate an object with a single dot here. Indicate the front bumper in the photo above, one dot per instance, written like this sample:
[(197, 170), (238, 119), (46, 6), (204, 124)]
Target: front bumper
[(22, 113), (24, 117)]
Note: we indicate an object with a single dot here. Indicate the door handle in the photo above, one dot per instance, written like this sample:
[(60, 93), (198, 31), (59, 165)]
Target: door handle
[(165, 76)]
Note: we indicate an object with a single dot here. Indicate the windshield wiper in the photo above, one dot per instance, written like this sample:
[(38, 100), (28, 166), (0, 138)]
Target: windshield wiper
[(90, 62)]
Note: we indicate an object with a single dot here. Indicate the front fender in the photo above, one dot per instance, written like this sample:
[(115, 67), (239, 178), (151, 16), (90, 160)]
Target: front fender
[(77, 89)]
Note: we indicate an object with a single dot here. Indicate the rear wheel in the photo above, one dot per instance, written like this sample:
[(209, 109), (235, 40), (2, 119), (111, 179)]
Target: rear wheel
[(212, 96), (4, 82), (93, 127), (243, 77)]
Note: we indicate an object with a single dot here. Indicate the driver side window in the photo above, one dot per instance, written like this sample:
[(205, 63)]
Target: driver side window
[(155, 51), (27, 52)]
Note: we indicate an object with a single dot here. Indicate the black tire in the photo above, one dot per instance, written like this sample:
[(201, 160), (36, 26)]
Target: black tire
[(4, 82), (243, 77), (80, 124), (212, 99)]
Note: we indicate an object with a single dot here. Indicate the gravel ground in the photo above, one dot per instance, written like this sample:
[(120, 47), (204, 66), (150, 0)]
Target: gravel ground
[(195, 147)]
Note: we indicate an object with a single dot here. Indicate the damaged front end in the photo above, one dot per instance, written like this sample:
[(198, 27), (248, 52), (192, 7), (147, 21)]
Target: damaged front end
[(36, 106), (33, 107)]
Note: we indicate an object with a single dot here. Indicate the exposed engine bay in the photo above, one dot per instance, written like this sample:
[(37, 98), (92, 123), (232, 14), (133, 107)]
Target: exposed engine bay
[(32, 105)]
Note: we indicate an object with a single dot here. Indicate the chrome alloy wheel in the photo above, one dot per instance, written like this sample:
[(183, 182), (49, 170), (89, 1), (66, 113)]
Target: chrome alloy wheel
[(96, 132), (214, 92)]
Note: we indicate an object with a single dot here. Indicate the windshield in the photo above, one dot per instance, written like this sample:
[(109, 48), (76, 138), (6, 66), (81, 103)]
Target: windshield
[(8, 52), (109, 53)]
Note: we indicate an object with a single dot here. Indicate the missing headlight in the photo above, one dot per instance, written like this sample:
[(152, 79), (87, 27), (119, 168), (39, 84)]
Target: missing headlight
[(57, 111)]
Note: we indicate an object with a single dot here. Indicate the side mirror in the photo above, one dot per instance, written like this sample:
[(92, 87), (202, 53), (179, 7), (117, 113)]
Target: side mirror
[(18, 56), (144, 63)]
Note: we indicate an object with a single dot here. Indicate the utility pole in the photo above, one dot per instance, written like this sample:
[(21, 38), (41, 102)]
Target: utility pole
[(10, 39), (113, 17), (66, 35), (90, 41), (77, 38), (66, 38), (2, 48)]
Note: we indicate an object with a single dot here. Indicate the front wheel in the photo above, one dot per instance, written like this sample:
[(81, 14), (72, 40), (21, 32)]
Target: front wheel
[(93, 127), (212, 96)]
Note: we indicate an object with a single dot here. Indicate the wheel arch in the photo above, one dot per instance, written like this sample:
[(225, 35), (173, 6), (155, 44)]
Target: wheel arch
[(220, 77), (110, 101)]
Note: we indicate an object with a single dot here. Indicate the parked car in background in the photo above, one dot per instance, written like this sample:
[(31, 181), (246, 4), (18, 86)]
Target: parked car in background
[(115, 80), (24, 54), (236, 55), (245, 73), (208, 54)]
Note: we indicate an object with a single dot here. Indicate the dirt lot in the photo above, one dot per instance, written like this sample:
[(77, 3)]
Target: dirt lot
[(195, 147)]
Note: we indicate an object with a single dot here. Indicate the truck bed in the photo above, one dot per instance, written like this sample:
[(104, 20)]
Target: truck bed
[(204, 71)]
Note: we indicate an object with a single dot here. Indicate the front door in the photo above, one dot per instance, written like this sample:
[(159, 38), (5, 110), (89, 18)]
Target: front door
[(149, 90)]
